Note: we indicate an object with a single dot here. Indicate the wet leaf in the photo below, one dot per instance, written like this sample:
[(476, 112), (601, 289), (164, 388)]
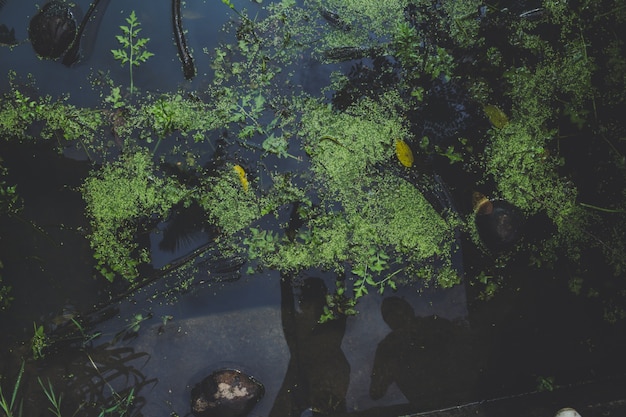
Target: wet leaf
[(404, 153), (243, 177), (496, 116)]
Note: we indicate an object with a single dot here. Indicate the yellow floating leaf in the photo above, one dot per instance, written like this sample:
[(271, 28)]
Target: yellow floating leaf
[(404, 153), (496, 116), (243, 177)]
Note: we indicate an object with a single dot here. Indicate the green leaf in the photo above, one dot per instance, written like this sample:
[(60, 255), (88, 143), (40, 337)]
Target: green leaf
[(259, 102)]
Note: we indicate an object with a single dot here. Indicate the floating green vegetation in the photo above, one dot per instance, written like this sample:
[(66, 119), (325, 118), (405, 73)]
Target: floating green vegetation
[(61, 120), (353, 157), (358, 23), (123, 197), (230, 203), (535, 74), (160, 116), (367, 209)]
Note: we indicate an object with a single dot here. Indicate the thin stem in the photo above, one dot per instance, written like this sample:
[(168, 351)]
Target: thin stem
[(130, 56), (606, 210)]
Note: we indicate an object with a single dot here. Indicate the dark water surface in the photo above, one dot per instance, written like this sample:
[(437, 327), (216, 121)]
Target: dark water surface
[(415, 350)]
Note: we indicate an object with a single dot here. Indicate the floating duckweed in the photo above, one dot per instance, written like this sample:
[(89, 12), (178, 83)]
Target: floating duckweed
[(355, 169), (361, 142), (364, 17), (227, 207), (119, 197), (326, 243)]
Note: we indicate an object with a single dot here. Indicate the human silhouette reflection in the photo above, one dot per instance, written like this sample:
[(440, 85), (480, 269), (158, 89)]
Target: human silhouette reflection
[(425, 356), (318, 373)]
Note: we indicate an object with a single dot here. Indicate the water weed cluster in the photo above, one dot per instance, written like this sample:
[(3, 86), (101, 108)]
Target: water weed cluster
[(478, 94)]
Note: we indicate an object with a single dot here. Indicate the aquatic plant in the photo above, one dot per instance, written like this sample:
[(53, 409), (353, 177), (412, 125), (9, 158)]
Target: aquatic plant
[(229, 206), (53, 398), (10, 406), (338, 304), (10, 205), (38, 342), (356, 179), (19, 113), (121, 196), (133, 48), (380, 214)]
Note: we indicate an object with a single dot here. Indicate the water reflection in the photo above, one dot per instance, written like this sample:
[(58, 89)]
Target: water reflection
[(431, 359), (318, 373)]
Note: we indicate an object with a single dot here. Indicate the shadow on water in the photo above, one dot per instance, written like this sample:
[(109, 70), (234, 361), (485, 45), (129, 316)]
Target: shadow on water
[(88, 380), (418, 350), (318, 373)]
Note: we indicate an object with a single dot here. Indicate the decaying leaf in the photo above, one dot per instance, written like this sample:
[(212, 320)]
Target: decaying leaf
[(496, 116), (243, 177), (404, 153)]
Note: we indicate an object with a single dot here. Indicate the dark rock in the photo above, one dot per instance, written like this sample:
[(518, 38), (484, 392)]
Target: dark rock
[(226, 393), (52, 30), (499, 225)]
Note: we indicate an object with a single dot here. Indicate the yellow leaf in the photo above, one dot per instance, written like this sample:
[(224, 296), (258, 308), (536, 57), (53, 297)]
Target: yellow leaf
[(243, 177), (404, 153), (496, 116)]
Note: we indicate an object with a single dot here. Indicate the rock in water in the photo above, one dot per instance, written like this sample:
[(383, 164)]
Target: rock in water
[(52, 30), (226, 393), (499, 223)]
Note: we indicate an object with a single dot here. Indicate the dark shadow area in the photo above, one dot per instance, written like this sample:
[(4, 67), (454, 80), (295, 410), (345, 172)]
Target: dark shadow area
[(318, 373), (432, 360)]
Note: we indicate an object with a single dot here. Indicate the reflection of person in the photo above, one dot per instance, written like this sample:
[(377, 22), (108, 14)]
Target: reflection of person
[(422, 355), (318, 373)]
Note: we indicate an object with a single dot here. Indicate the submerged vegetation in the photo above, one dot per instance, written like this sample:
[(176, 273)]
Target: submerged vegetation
[(443, 98)]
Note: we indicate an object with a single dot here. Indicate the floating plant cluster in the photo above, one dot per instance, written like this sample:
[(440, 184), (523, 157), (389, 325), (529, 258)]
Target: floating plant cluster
[(374, 180)]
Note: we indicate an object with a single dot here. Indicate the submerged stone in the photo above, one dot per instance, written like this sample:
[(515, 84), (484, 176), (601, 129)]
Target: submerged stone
[(226, 393), (53, 29), (499, 223)]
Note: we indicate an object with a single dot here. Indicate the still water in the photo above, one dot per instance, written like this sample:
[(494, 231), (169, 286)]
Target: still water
[(417, 349)]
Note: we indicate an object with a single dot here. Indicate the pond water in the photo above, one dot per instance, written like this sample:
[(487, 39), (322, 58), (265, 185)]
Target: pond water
[(417, 349)]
